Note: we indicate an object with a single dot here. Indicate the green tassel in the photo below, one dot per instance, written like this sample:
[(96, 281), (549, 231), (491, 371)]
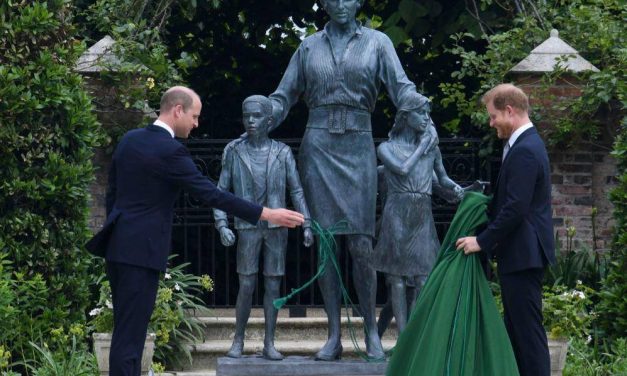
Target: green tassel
[(280, 302)]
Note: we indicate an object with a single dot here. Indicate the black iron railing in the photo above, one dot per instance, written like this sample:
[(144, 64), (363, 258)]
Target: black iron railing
[(195, 239)]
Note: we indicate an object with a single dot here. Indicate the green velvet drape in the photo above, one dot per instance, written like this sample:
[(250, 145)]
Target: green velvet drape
[(456, 328)]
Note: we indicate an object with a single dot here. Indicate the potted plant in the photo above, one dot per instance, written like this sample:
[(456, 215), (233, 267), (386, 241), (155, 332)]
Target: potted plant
[(566, 316), (171, 326)]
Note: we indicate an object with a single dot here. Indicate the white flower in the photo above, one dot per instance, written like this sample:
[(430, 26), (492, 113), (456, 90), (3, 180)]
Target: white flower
[(579, 294), (167, 276), (108, 304), (579, 282), (177, 287), (589, 339), (95, 311)]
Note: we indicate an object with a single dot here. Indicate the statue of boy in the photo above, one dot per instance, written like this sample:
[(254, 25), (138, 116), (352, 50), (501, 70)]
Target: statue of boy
[(259, 169)]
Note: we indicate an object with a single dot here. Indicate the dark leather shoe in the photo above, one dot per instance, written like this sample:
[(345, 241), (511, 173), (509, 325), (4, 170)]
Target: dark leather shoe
[(271, 353), (236, 350), (330, 355)]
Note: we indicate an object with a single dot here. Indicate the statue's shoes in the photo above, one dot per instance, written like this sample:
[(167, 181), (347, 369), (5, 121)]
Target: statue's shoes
[(271, 353), (374, 348), (376, 355), (236, 350), (334, 354)]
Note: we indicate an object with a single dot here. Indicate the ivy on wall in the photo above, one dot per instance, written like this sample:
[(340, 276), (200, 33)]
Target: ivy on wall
[(593, 27), (142, 68)]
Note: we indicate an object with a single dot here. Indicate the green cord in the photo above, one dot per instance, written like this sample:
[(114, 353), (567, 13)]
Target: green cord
[(326, 248), (326, 251)]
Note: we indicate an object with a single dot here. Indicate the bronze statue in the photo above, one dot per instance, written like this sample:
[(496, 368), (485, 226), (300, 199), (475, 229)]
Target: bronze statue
[(338, 71), (259, 169), (408, 243)]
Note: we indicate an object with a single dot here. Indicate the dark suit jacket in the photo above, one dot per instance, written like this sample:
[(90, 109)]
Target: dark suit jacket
[(520, 230), (148, 170), (238, 176)]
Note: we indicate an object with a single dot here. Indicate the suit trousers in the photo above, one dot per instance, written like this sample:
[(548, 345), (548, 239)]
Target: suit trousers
[(522, 302), (134, 290)]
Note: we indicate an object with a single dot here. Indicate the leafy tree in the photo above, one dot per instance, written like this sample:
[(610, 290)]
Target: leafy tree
[(243, 47), (593, 27), (47, 131), (143, 68)]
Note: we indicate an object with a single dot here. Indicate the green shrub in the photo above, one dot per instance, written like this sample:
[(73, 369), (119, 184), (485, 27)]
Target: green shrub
[(566, 312), (73, 361), (574, 266), (613, 305), (592, 27), (47, 131), (584, 359), (172, 319)]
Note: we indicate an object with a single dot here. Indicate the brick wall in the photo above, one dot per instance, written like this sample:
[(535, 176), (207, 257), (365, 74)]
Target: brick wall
[(110, 113), (582, 179), (582, 175), (98, 190)]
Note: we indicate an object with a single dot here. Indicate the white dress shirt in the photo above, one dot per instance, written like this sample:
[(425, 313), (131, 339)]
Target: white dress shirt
[(512, 139)]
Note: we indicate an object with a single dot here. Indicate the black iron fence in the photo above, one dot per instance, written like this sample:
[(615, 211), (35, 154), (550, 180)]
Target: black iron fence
[(195, 239)]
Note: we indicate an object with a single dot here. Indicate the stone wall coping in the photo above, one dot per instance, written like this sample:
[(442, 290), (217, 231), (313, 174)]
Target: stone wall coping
[(551, 53), (98, 58)]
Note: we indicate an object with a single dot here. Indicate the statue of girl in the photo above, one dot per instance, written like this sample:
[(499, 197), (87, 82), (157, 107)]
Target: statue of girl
[(408, 243)]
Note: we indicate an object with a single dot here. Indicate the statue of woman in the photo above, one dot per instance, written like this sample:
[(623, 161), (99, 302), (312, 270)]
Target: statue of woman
[(339, 71), (408, 242)]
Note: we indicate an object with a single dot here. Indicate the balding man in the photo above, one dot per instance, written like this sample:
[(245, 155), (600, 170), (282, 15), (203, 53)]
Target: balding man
[(148, 170), (520, 231)]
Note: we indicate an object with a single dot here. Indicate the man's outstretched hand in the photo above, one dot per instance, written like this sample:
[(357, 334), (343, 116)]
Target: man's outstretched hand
[(282, 217)]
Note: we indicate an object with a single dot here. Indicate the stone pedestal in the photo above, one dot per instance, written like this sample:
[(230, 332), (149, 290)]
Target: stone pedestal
[(297, 365), (558, 349), (102, 346)]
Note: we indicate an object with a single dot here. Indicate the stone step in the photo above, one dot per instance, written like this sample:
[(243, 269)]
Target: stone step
[(288, 328), (205, 355), (258, 312), (298, 365)]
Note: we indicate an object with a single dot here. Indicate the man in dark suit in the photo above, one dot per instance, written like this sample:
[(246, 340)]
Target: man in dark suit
[(520, 231), (148, 170)]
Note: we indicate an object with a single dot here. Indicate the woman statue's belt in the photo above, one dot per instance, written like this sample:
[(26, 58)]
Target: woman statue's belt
[(423, 194), (339, 119)]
